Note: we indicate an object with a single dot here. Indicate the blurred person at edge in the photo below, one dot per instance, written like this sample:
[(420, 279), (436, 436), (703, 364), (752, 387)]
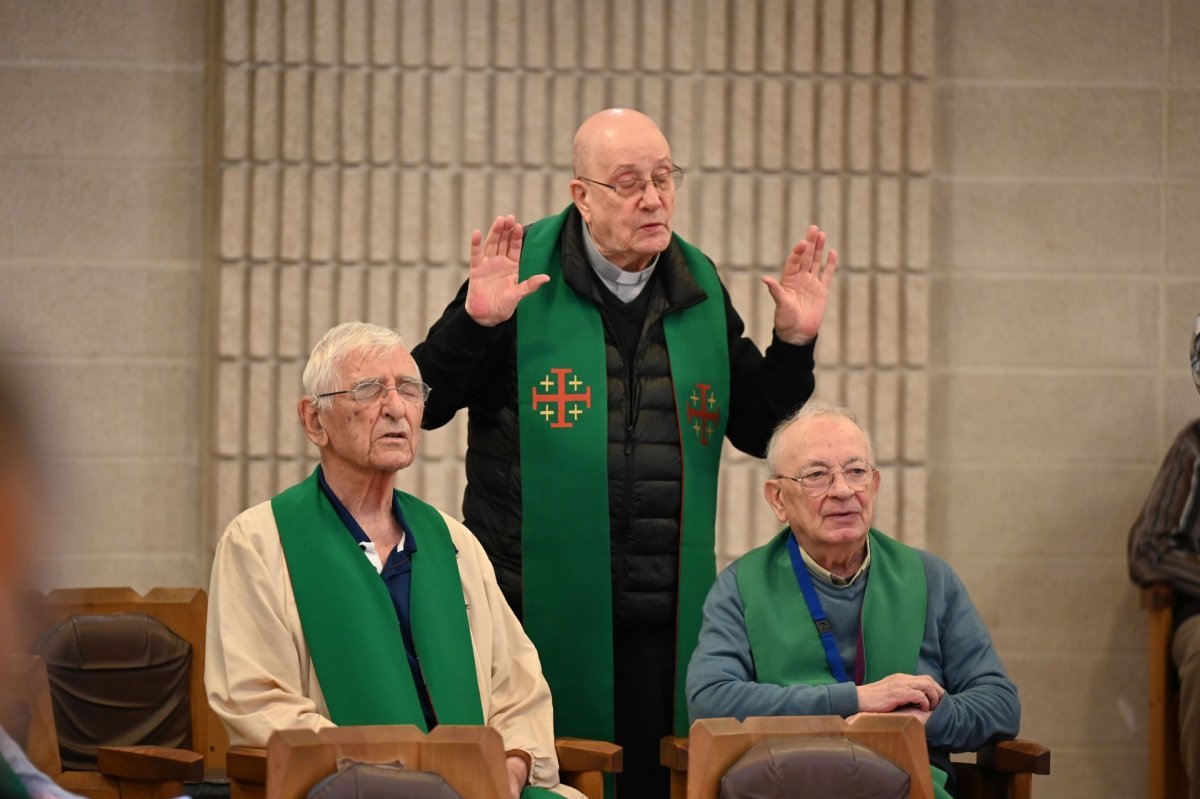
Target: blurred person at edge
[(19, 519)]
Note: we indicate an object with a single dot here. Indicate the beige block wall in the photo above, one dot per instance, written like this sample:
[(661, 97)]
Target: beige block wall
[(1065, 278), (101, 308)]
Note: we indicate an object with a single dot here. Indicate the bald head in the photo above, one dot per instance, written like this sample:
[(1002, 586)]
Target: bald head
[(613, 129)]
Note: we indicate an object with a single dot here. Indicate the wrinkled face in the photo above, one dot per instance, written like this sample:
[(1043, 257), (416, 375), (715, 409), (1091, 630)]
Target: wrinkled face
[(377, 436), (629, 231), (837, 522)]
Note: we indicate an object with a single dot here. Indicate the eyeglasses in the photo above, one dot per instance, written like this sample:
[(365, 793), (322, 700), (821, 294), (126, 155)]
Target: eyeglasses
[(371, 390), (666, 182), (818, 481)]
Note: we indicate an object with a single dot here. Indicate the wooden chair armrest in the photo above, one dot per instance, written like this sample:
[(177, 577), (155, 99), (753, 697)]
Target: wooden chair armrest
[(673, 752), (1157, 596), (582, 754), (151, 763), (1015, 756), (247, 763)]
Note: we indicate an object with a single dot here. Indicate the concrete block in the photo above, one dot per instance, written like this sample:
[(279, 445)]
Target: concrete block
[(264, 213), (267, 47), (413, 131), (862, 127), (325, 115), (351, 293), (477, 34), (1183, 119), (890, 215), (230, 389), (293, 214), (532, 125), (265, 131), (232, 311), (771, 233), (857, 246), (411, 223), (289, 438), (507, 24), (353, 116), (803, 38), (773, 36), (888, 318), (296, 31), (564, 36), (682, 23), (1081, 132), (920, 127), (383, 32), (772, 124), (862, 26), (713, 123), (594, 41), (352, 216), (743, 123), (831, 102), (858, 318), (442, 225), (1182, 231), (802, 126), (446, 29), (295, 122), (890, 127), (445, 118), (716, 35), (1066, 323), (65, 112), (322, 299), (642, 21), (742, 35), (291, 296), (918, 226), (235, 139), (116, 210), (327, 29), (885, 419), (414, 37), (916, 319), (260, 330), (324, 213), (892, 44), (383, 111), (921, 46), (915, 429), (1180, 306), (381, 246), (833, 36), (989, 226), (381, 295), (506, 124), (713, 218), (1104, 42), (682, 127), (1184, 32), (142, 31), (1041, 416)]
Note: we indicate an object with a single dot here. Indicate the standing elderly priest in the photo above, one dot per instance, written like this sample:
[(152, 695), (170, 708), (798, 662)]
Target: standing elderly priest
[(342, 601)]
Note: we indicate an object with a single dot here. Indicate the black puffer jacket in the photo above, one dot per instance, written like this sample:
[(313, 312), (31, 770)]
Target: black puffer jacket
[(475, 367)]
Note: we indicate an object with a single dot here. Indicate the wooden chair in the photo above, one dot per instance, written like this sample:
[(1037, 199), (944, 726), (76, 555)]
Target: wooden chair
[(182, 610), (1002, 770), (1165, 772), (142, 772), (294, 760)]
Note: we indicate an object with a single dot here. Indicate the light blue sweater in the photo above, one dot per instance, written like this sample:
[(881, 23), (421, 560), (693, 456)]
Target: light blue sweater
[(980, 704)]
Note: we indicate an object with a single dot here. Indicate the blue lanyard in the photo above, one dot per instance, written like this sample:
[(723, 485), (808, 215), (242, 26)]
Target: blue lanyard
[(824, 628)]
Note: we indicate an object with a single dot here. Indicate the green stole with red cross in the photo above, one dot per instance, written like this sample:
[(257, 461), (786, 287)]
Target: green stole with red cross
[(562, 396), (784, 643)]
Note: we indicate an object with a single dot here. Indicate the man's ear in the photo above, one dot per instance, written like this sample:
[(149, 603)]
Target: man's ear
[(310, 420), (774, 496), (579, 195)]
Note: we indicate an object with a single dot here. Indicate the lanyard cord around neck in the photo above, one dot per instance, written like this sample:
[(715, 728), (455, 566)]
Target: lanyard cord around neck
[(824, 629)]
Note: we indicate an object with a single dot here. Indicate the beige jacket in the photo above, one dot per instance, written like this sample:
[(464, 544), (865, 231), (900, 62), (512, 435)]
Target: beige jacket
[(259, 675)]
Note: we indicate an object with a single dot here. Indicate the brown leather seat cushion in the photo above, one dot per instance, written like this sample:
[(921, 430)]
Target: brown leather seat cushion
[(379, 781), (118, 680), (818, 767)]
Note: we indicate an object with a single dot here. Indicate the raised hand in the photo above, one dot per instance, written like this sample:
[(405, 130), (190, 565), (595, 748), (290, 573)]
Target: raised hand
[(802, 290), (492, 287)]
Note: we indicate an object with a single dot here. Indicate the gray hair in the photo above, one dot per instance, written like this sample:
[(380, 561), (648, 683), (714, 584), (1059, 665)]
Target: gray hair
[(322, 374), (812, 410)]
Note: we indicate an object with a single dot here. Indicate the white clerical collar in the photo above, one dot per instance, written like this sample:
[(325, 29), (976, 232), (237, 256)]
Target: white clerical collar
[(626, 285), (817, 570)]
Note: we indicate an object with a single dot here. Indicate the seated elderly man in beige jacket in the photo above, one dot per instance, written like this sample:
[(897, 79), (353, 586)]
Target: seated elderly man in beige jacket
[(343, 601)]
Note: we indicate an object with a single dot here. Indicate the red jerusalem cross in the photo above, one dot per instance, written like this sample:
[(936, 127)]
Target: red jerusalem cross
[(561, 398), (704, 415)]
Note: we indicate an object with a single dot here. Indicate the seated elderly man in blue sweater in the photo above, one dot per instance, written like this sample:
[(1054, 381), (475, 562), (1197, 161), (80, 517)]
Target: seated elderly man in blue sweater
[(833, 617)]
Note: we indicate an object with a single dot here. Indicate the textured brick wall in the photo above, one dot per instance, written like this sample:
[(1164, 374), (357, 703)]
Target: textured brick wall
[(101, 164), (1064, 281), (364, 140)]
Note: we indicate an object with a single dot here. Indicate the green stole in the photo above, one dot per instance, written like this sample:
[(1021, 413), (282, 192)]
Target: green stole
[(784, 642), (562, 396), (350, 623), (11, 786)]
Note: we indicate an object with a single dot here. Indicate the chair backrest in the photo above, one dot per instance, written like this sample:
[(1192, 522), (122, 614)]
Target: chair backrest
[(26, 711), (779, 768), (716, 745), (182, 611), (470, 759)]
